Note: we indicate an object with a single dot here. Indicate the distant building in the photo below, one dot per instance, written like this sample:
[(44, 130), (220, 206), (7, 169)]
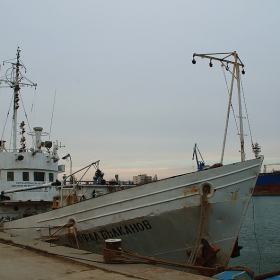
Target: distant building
[(142, 179)]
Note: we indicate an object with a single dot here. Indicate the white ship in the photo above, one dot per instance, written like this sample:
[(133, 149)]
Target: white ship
[(29, 171), (22, 167), (193, 218)]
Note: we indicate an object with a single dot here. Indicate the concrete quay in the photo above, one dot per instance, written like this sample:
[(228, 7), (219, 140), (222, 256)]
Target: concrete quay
[(23, 258)]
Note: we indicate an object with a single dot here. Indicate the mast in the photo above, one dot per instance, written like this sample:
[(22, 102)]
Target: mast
[(235, 72), (16, 100), (241, 135), (14, 79)]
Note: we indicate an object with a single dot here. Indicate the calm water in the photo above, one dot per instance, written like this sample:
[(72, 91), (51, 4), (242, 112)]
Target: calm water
[(260, 236)]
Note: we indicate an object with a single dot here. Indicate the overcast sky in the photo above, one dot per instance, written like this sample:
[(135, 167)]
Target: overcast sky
[(127, 93)]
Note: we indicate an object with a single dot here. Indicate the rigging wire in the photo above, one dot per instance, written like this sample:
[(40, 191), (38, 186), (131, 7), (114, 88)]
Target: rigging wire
[(32, 109), (246, 112), (33, 115), (25, 113), (6, 119), (27, 120), (11, 136), (52, 115), (230, 102)]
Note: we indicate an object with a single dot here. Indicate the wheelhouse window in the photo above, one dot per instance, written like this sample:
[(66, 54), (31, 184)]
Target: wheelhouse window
[(50, 177), (10, 176), (25, 176), (39, 176)]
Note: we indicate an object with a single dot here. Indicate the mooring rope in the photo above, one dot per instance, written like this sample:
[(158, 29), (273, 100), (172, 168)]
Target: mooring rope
[(66, 225), (120, 256), (256, 239)]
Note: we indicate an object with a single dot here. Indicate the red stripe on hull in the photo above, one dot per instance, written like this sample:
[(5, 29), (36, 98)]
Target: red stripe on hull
[(267, 189)]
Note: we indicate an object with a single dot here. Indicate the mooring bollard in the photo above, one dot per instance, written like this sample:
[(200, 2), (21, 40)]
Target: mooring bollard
[(113, 244)]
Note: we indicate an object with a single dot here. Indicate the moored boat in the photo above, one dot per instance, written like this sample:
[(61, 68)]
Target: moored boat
[(23, 167), (29, 170), (191, 218), (268, 183)]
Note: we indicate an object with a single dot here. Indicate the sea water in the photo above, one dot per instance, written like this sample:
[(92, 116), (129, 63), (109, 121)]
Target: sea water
[(260, 236)]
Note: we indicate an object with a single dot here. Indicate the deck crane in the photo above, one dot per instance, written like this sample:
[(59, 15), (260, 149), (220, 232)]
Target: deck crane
[(200, 163)]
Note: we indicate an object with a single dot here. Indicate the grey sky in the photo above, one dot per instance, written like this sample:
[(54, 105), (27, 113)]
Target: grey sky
[(126, 91)]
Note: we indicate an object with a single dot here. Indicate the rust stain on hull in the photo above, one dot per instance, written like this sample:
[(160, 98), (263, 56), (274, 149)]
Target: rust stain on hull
[(234, 195), (191, 190), (133, 219)]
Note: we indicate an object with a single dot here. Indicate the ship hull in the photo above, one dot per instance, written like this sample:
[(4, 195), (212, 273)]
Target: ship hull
[(268, 184), (162, 219)]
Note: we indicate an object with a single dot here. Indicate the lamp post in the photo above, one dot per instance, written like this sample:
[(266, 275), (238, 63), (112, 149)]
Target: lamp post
[(66, 157)]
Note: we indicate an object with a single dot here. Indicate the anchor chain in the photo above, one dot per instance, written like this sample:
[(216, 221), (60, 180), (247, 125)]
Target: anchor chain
[(193, 255)]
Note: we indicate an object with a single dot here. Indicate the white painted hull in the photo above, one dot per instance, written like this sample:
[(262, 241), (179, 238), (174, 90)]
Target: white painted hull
[(160, 219)]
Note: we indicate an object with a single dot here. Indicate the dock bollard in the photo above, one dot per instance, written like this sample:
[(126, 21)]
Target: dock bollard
[(112, 252), (113, 244)]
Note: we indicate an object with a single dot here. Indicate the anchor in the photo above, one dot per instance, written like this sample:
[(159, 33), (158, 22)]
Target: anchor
[(207, 253)]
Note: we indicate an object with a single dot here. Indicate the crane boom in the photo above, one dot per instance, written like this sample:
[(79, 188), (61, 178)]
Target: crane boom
[(200, 163)]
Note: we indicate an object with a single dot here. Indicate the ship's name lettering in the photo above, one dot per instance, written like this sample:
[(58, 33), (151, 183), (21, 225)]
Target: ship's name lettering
[(112, 233)]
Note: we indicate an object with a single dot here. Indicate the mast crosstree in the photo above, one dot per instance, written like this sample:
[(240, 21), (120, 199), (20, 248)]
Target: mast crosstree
[(233, 59)]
